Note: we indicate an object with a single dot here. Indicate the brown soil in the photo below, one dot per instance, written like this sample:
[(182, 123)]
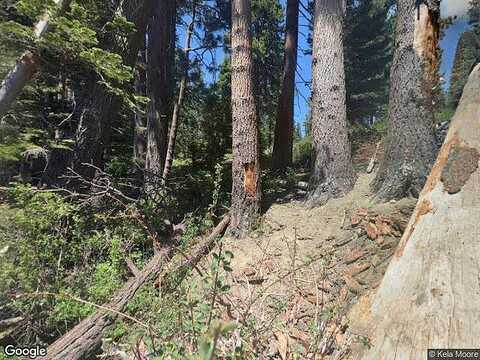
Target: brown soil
[(296, 277)]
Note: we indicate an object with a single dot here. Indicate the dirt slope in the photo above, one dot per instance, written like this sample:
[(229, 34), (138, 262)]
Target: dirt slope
[(296, 277)]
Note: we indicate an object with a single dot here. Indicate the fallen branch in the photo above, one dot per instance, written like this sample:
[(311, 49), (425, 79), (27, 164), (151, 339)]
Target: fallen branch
[(84, 339), (373, 160), (174, 277)]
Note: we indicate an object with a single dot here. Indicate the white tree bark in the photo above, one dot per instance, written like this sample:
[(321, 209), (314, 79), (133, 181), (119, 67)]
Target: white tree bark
[(27, 64), (430, 295)]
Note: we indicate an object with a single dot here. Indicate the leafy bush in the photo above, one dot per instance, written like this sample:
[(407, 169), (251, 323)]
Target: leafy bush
[(63, 253), (302, 152)]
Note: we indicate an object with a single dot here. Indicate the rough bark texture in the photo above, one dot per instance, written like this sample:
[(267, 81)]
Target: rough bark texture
[(429, 295), (332, 174), (410, 144), (27, 65), (246, 192), (84, 339), (283, 142), (160, 61), (181, 95)]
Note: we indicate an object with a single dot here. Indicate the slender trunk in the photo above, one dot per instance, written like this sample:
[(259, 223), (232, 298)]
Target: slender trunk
[(28, 63), (410, 144), (140, 120), (332, 174), (246, 191), (160, 75), (283, 142), (181, 95), (428, 298)]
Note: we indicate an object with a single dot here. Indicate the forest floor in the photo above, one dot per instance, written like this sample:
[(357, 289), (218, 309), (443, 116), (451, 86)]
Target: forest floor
[(295, 279)]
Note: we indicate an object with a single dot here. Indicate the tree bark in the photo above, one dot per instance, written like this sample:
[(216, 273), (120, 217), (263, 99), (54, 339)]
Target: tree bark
[(181, 95), (410, 144), (332, 174), (428, 297), (84, 339), (160, 77), (27, 65), (140, 119), (246, 191), (283, 142), (97, 107)]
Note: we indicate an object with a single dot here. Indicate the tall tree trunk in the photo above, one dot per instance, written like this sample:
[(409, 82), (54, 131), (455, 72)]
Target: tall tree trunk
[(246, 190), (140, 119), (98, 108), (160, 76), (410, 144), (28, 63), (428, 297), (181, 95), (332, 174), (283, 142)]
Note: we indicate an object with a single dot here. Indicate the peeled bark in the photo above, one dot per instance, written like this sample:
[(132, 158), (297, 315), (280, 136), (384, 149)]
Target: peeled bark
[(181, 95), (410, 144), (283, 143), (428, 297), (160, 79), (246, 192), (27, 65), (332, 174), (85, 338)]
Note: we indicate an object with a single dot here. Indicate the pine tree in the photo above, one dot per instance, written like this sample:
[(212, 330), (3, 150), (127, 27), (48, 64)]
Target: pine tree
[(246, 192), (410, 144), (466, 56), (283, 143), (332, 174), (367, 57)]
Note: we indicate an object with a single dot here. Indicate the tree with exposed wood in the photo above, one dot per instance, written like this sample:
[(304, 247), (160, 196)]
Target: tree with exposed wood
[(160, 75), (332, 173), (410, 145), (28, 63), (428, 298), (246, 191), (283, 141)]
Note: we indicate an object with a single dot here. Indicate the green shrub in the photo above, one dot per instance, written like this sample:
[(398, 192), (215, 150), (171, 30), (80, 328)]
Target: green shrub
[(303, 152)]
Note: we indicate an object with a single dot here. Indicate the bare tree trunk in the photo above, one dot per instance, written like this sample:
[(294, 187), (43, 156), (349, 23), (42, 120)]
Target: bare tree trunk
[(410, 143), (181, 95), (160, 77), (27, 65), (428, 297), (140, 119), (283, 142), (246, 177), (332, 174)]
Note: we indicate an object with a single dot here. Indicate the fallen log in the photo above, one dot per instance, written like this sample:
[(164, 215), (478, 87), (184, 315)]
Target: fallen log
[(85, 338), (27, 65), (173, 278), (428, 298)]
